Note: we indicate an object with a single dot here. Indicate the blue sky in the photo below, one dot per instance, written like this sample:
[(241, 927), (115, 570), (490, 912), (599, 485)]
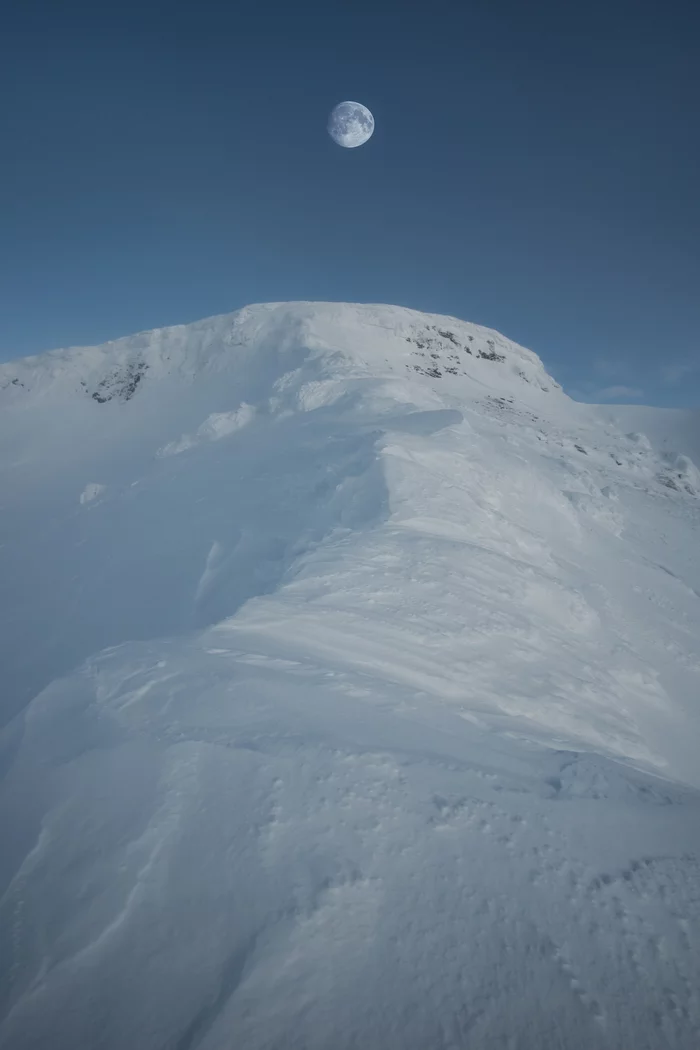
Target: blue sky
[(535, 168)]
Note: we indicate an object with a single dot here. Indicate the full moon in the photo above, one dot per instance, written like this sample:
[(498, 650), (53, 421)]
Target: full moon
[(350, 124)]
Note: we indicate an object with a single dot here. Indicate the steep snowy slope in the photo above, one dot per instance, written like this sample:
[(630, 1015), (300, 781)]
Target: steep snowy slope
[(351, 695)]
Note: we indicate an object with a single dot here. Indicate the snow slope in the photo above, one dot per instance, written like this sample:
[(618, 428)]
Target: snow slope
[(351, 695)]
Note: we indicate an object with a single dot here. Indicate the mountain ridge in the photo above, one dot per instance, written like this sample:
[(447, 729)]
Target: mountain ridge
[(212, 341), (345, 703)]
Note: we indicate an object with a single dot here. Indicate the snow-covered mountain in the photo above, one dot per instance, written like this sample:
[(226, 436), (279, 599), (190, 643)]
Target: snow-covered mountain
[(351, 695)]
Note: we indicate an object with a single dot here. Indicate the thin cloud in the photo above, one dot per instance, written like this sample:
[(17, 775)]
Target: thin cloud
[(610, 393), (604, 366), (674, 373)]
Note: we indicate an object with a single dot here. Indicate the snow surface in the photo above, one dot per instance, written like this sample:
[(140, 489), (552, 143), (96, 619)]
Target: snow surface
[(350, 692)]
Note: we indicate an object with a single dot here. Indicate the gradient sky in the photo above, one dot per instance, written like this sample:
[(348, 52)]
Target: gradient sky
[(535, 168)]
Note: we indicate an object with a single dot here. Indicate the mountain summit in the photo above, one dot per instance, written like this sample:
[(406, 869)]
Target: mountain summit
[(119, 426), (350, 678), (272, 340)]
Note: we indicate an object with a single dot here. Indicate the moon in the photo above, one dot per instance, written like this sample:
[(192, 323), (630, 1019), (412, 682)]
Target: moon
[(350, 124)]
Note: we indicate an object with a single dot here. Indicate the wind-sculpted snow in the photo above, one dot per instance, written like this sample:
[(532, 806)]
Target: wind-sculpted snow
[(350, 682)]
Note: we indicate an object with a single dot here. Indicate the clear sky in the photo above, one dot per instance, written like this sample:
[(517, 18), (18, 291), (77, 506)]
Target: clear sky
[(535, 167)]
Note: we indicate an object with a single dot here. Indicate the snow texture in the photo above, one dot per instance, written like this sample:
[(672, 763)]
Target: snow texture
[(350, 695)]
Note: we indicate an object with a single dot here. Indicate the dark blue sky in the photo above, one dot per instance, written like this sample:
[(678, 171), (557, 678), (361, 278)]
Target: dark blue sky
[(535, 168)]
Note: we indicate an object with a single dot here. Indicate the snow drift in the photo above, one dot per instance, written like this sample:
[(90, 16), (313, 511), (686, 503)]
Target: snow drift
[(350, 692)]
